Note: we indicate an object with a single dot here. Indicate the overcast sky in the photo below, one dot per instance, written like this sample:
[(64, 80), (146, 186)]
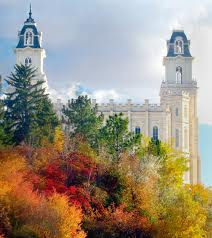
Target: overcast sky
[(114, 49)]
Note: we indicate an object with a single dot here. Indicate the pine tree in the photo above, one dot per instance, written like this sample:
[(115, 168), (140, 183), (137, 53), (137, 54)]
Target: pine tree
[(28, 109), (1, 114), (82, 119), (116, 137), (47, 122)]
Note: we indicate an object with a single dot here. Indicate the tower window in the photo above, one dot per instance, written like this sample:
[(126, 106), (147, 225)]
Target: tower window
[(137, 130), (179, 74), (177, 137), (28, 38), (186, 138), (179, 46), (185, 112), (155, 133), (177, 112), (28, 61)]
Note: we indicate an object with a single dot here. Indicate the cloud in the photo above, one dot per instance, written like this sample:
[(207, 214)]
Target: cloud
[(114, 48), (76, 89)]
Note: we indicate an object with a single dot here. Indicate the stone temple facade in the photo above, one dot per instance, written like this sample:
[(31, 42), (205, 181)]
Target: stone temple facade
[(174, 120)]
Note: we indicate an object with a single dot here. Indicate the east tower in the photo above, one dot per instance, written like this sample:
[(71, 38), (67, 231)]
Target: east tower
[(179, 91)]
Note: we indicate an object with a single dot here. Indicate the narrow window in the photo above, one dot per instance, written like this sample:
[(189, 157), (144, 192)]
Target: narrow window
[(28, 38), (155, 133), (179, 74), (28, 61), (186, 138), (137, 130), (177, 138), (179, 47), (177, 112), (185, 112)]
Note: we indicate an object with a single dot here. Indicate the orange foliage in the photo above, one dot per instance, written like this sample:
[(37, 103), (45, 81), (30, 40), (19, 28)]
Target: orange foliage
[(24, 211), (117, 221)]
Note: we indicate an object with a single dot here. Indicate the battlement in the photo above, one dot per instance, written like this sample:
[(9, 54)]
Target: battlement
[(129, 106)]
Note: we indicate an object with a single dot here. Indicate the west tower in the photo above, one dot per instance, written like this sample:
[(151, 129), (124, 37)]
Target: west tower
[(29, 50), (179, 91)]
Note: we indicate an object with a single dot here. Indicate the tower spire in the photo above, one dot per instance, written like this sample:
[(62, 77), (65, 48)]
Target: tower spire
[(30, 11), (30, 19)]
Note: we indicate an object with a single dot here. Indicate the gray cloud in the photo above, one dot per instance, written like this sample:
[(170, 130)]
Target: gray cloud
[(113, 47)]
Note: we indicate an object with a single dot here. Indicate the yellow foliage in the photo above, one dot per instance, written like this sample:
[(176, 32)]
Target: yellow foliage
[(56, 218), (24, 212), (42, 157), (180, 215), (59, 139)]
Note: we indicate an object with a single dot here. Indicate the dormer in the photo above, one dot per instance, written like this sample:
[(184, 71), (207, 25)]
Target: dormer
[(178, 45)]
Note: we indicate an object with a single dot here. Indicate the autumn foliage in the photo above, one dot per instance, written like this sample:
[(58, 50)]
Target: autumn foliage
[(45, 193), (91, 179)]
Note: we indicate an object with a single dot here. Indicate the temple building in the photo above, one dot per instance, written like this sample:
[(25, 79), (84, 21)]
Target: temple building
[(173, 121)]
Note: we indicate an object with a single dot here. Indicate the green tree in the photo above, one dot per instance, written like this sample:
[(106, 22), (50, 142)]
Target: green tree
[(47, 123), (1, 115), (82, 119), (116, 137), (29, 113)]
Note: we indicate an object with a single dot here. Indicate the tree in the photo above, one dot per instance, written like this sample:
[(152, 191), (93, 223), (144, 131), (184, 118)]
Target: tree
[(1, 115), (181, 215), (81, 118), (116, 137), (47, 124), (28, 109), (117, 222), (26, 213)]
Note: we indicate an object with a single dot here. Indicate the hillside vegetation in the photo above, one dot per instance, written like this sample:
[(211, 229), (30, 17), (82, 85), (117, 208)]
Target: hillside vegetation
[(79, 176)]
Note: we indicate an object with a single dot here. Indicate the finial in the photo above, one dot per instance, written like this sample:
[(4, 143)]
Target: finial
[(30, 11), (30, 19)]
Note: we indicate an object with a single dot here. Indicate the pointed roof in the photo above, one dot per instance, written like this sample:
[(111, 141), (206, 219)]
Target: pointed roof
[(29, 24), (30, 19)]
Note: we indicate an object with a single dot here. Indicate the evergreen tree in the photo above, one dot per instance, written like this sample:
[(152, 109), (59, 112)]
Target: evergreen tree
[(47, 121), (1, 114), (116, 137), (81, 118), (28, 109)]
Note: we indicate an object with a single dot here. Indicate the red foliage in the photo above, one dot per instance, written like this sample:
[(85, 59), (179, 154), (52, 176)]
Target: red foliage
[(73, 179), (54, 179), (81, 169), (79, 196)]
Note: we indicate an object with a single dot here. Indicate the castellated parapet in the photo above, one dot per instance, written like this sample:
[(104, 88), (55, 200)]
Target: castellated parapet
[(111, 106)]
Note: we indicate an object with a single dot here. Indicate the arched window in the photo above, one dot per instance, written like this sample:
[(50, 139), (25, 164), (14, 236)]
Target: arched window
[(177, 112), (155, 133), (179, 46), (177, 137), (28, 61), (179, 72), (185, 112), (137, 130), (186, 138), (28, 38)]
